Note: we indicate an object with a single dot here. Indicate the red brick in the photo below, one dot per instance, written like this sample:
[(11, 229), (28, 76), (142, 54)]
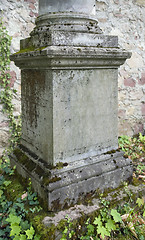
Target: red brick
[(31, 14), (32, 6), (129, 82), (36, 14), (13, 78), (142, 80)]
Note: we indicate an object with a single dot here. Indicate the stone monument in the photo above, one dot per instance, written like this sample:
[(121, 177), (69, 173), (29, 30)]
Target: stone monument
[(69, 73)]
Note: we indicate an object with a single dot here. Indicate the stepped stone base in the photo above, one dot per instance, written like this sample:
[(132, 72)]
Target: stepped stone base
[(66, 184)]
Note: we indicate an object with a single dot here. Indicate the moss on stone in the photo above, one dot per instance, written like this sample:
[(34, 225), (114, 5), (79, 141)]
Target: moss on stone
[(47, 179), (24, 159), (30, 49)]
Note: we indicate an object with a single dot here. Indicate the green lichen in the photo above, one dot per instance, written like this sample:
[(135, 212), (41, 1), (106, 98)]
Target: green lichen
[(48, 179), (112, 151), (30, 49)]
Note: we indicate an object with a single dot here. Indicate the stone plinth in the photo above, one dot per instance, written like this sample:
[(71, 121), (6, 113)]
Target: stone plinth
[(69, 102), (69, 107)]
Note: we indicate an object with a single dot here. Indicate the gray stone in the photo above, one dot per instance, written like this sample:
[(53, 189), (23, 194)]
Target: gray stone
[(63, 102), (69, 106), (4, 137), (72, 182), (77, 211), (85, 6)]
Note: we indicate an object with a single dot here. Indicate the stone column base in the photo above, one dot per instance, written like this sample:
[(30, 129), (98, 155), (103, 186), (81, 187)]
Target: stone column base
[(66, 184)]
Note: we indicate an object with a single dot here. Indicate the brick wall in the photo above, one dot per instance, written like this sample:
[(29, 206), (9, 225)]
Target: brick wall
[(126, 19)]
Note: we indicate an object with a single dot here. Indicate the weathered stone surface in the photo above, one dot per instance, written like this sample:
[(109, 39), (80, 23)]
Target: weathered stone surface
[(143, 110), (65, 186), (128, 27), (120, 21), (79, 210), (85, 6), (142, 80), (63, 113), (69, 108), (68, 94), (140, 2), (4, 138), (15, 15)]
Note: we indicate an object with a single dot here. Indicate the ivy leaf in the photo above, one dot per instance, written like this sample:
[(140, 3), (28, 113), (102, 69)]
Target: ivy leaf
[(1, 193), (116, 216), (90, 228), (140, 201), (16, 229), (13, 219), (22, 237), (2, 232), (7, 183), (103, 231), (110, 225), (37, 237), (25, 225), (144, 214), (98, 221), (30, 233), (16, 238), (65, 230)]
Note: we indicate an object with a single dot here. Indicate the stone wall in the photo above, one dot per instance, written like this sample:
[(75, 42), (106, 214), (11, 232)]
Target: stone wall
[(19, 18), (126, 19)]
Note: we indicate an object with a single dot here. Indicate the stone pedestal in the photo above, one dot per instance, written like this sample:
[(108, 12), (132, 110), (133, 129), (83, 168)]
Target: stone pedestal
[(69, 105)]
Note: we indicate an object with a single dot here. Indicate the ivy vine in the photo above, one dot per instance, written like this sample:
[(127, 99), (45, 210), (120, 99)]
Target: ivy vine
[(13, 214), (6, 92)]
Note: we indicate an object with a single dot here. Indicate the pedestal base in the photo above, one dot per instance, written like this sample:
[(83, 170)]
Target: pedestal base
[(63, 185)]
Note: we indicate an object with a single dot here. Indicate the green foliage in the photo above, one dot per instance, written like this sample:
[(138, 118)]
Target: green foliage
[(103, 225), (13, 223), (67, 232), (133, 147), (20, 229), (13, 214), (110, 223), (6, 93)]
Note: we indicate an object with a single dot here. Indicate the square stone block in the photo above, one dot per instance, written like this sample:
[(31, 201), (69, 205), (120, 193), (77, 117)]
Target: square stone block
[(69, 115)]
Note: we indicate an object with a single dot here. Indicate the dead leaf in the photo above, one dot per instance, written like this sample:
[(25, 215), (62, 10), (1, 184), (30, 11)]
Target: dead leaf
[(125, 217), (105, 238), (141, 176), (141, 221), (24, 195), (132, 229)]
